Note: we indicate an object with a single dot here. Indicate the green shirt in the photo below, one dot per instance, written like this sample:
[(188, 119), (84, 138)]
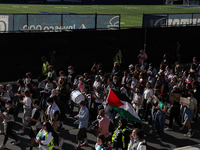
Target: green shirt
[(161, 105)]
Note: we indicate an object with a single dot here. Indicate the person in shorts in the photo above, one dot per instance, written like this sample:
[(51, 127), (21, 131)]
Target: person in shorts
[(83, 118), (190, 113), (27, 110)]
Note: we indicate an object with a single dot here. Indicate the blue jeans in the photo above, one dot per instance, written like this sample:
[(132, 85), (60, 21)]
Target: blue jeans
[(160, 123)]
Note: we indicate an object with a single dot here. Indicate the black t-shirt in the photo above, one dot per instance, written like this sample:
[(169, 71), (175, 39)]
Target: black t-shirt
[(34, 93), (35, 115), (116, 84), (9, 111), (71, 77)]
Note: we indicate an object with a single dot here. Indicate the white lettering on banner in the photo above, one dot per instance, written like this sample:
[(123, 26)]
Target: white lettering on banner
[(52, 28), (176, 22), (196, 21), (82, 26), (32, 27), (39, 27), (114, 22), (25, 27), (4, 23), (182, 22)]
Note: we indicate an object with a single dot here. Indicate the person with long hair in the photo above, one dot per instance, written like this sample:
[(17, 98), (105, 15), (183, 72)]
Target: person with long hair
[(160, 117), (101, 142), (147, 94), (134, 141), (19, 95), (62, 98), (120, 138), (137, 102), (45, 137), (27, 103)]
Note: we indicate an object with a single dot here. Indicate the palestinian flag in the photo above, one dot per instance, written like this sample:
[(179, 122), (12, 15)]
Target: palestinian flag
[(121, 104)]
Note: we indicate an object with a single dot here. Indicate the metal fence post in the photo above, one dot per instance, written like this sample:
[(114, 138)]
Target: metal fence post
[(27, 21), (95, 21), (119, 21), (13, 22), (62, 20)]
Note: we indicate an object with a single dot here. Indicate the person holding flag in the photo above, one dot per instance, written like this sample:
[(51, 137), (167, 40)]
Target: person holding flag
[(121, 104)]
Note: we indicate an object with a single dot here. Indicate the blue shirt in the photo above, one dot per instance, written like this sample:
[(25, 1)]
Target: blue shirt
[(83, 117)]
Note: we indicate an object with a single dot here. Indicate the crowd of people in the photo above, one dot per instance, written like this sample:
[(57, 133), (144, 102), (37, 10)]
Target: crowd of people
[(48, 103)]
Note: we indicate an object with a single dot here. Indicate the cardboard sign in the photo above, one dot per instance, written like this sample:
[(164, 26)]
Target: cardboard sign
[(184, 101), (174, 97)]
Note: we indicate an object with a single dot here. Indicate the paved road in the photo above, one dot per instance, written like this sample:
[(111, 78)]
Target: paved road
[(173, 139)]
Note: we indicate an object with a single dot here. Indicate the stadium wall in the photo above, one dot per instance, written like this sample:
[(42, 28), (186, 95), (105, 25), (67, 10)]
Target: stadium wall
[(21, 52)]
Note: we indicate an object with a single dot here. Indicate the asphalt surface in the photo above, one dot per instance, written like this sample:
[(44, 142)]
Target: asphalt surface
[(172, 139)]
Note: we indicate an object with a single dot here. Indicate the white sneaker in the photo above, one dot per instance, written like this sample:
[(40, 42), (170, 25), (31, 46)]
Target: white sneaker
[(187, 134), (16, 142), (20, 132), (168, 129), (61, 142), (2, 147)]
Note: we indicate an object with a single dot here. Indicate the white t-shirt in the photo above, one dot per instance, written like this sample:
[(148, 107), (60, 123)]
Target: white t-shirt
[(147, 93), (27, 101)]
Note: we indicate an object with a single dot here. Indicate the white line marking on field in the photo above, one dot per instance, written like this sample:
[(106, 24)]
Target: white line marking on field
[(122, 23), (16, 6), (15, 9)]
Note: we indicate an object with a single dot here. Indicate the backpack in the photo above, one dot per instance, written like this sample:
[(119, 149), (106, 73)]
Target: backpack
[(147, 146)]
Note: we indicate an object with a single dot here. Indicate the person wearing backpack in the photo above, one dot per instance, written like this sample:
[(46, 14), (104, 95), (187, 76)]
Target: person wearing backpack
[(142, 144), (36, 119), (53, 112)]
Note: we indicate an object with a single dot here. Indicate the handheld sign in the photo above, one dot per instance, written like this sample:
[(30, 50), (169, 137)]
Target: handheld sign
[(184, 101), (174, 97)]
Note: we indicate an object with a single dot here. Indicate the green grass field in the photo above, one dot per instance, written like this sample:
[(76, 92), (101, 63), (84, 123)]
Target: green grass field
[(131, 15)]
